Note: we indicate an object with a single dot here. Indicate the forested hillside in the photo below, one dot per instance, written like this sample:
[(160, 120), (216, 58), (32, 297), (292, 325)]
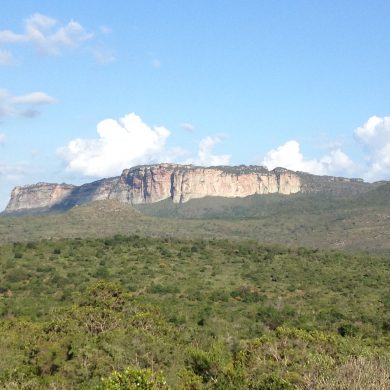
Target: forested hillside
[(316, 221), (191, 314)]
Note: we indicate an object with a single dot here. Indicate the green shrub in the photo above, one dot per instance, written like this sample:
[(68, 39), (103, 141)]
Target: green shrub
[(271, 382), (248, 294), (134, 379), (347, 329)]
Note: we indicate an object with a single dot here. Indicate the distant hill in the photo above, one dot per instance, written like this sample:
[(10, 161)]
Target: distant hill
[(149, 184), (255, 206), (323, 220)]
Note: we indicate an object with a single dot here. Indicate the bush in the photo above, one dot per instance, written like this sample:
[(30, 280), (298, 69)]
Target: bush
[(347, 330), (248, 294), (134, 379), (161, 289), (105, 295), (272, 382), (16, 275)]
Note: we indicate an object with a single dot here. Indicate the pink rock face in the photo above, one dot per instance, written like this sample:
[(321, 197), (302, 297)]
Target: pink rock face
[(289, 183), (203, 182), (40, 195), (149, 184)]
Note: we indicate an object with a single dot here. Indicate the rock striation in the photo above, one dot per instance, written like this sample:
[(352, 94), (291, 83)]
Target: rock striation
[(38, 196), (180, 183)]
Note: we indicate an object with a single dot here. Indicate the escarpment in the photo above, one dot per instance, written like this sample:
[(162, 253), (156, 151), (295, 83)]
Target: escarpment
[(180, 183), (149, 184)]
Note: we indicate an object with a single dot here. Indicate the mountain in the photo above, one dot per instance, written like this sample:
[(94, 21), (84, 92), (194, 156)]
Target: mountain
[(148, 184), (358, 221), (278, 206)]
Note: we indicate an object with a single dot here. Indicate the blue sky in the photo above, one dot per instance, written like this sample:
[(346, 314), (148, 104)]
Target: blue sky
[(90, 88)]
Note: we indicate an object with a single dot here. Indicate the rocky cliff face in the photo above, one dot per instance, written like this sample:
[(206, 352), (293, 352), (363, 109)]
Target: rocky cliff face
[(181, 183), (149, 184), (38, 195)]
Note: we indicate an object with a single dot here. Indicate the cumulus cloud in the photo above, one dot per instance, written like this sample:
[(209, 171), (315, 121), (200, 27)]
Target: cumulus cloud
[(374, 136), (22, 105), (121, 143), (128, 142), (46, 35), (289, 155), (205, 153)]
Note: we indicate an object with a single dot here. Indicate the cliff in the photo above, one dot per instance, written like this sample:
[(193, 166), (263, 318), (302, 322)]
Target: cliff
[(181, 183), (38, 196)]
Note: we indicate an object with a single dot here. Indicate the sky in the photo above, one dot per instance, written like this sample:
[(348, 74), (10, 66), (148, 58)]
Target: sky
[(88, 89)]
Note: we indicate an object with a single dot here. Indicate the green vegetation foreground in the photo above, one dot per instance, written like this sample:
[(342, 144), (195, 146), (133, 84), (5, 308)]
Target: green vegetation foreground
[(191, 314)]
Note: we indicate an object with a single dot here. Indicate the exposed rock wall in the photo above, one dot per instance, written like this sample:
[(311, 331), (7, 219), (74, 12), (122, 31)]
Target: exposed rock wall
[(149, 184), (40, 195), (181, 183)]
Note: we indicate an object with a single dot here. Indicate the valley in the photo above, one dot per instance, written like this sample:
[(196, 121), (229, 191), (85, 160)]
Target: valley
[(265, 291)]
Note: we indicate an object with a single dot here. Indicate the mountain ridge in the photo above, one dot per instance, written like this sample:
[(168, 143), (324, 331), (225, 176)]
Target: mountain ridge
[(146, 184), (318, 220)]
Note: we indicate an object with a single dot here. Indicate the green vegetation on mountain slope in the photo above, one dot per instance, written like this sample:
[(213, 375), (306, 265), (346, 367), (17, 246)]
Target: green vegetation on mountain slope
[(260, 206), (358, 222), (191, 314)]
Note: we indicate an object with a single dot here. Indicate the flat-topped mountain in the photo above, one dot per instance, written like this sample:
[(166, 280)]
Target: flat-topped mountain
[(180, 183)]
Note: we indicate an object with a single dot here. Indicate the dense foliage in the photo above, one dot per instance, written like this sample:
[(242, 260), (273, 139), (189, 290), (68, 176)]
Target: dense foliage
[(132, 312)]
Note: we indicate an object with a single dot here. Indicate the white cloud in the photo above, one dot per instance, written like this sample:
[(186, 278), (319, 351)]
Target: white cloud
[(288, 155), (2, 138), (128, 142), (374, 136), (187, 127), (336, 162), (120, 144), (22, 105), (5, 57), (205, 155), (46, 35), (374, 132), (33, 98)]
